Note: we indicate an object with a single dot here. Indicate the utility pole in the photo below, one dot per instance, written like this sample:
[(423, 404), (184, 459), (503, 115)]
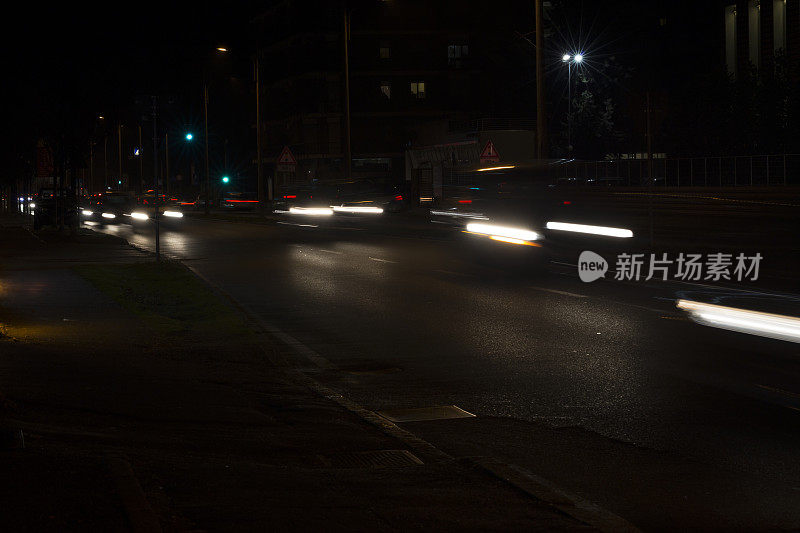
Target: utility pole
[(348, 155), (155, 175), (541, 126), (119, 151), (650, 168), (105, 159), (166, 157), (205, 121), (141, 173), (91, 165), (259, 174)]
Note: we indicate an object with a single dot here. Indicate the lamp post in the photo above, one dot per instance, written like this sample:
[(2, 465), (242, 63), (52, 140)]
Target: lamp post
[(264, 193), (569, 60)]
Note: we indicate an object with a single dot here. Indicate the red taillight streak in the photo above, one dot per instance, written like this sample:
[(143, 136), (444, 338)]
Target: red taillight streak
[(290, 196), (399, 197), (242, 201), (465, 201), (567, 202)]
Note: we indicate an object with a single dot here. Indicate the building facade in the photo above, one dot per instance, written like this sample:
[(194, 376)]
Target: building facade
[(420, 74), (757, 34)]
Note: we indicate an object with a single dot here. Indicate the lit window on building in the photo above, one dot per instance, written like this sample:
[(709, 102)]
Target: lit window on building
[(418, 89), (386, 89), (754, 31), (730, 39), (778, 25), (385, 52), (457, 53)]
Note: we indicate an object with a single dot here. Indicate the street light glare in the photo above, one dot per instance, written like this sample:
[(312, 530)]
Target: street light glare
[(222, 49), (566, 57), (578, 58), (189, 136)]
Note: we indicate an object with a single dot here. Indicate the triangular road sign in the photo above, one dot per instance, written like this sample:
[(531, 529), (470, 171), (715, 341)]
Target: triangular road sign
[(286, 157), (489, 153)]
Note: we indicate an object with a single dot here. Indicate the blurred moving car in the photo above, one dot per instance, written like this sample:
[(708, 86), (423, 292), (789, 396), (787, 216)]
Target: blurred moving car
[(111, 207), (368, 196), (348, 197), (239, 200), (169, 207)]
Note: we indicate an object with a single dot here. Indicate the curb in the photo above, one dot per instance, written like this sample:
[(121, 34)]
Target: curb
[(530, 484), (566, 502)]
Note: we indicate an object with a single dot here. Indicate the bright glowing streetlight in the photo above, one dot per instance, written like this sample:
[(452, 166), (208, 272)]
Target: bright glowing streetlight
[(189, 136), (225, 179), (222, 49), (569, 60)]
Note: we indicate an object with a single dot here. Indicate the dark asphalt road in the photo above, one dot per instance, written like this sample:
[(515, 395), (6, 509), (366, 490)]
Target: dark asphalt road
[(603, 388)]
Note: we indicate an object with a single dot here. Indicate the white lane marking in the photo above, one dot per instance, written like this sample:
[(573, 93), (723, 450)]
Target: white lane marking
[(330, 251), (450, 272), (554, 291), (778, 391), (382, 260), (299, 225)]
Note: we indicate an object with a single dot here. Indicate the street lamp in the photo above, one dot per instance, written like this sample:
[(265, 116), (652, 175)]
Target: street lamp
[(263, 191), (189, 136), (225, 179), (569, 60)]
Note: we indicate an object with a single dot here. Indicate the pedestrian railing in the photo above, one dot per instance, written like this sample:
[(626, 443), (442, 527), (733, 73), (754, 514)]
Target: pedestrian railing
[(723, 171)]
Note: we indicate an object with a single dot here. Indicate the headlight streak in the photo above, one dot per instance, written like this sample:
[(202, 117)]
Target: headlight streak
[(510, 240), (502, 231), (109, 215), (357, 209), (139, 216), (87, 213), (494, 168), (769, 325), (475, 216), (173, 214), (311, 211), (594, 230)]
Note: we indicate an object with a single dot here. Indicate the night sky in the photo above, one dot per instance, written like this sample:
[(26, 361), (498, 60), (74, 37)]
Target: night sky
[(65, 64)]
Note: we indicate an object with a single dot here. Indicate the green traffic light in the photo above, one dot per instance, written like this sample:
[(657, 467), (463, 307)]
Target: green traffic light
[(189, 136), (225, 179)]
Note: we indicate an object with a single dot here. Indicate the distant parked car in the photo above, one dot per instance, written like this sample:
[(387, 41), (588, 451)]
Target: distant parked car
[(49, 203)]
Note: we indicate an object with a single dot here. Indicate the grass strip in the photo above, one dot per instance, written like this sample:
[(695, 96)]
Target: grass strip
[(169, 299)]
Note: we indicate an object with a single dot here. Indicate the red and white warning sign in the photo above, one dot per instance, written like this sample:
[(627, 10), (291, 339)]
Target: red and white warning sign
[(489, 153), (286, 157)]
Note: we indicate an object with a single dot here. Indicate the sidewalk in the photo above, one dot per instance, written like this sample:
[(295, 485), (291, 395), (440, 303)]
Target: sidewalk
[(138, 417)]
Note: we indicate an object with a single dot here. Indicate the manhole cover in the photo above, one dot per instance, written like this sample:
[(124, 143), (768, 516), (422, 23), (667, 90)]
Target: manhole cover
[(440, 412), (373, 459)]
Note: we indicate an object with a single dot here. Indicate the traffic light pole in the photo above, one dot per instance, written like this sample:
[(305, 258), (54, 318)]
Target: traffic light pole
[(155, 176), (205, 121)]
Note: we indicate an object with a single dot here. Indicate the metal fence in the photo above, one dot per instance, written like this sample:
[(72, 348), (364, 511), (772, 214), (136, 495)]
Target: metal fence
[(725, 171)]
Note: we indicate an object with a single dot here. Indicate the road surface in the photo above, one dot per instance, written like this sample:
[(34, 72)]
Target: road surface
[(605, 389)]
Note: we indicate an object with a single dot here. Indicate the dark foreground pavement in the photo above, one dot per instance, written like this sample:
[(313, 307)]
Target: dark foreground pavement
[(130, 426)]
